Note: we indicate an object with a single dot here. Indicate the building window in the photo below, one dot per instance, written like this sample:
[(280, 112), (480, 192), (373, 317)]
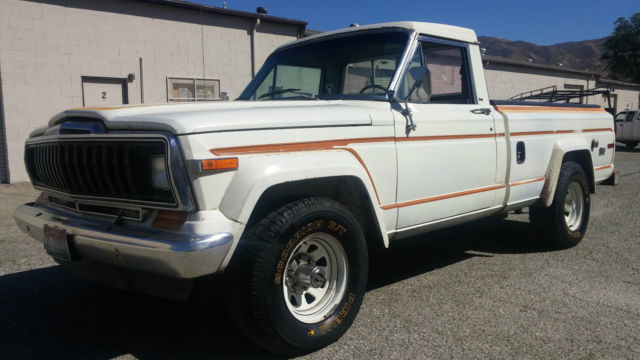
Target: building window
[(191, 89)]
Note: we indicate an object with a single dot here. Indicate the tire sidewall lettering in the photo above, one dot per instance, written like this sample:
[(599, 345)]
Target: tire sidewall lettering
[(344, 313)]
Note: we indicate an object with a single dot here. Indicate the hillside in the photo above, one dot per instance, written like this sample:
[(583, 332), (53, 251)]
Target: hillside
[(578, 55)]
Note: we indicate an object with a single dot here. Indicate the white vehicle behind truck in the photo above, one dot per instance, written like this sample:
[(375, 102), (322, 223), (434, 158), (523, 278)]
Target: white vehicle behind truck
[(343, 141), (628, 128)]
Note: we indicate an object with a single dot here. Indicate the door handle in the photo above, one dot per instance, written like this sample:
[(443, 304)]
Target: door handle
[(485, 111)]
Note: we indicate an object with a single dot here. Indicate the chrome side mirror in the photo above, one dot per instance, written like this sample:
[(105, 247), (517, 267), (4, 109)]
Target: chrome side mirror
[(422, 78)]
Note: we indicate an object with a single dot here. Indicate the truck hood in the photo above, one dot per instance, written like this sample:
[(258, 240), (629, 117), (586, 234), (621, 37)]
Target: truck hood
[(228, 116)]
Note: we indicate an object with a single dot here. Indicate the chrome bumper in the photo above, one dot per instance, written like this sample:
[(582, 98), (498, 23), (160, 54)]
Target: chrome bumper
[(176, 254)]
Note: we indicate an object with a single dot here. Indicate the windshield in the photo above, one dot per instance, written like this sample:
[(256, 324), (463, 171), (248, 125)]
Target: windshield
[(354, 67)]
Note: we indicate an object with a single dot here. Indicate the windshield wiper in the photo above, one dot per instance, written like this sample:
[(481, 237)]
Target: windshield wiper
[(289, 90)]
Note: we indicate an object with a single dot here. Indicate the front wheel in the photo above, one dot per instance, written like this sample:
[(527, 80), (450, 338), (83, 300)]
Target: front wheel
[(299, 277), (564, 223)]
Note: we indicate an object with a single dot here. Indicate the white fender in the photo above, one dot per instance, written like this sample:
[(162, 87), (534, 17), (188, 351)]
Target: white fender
[(560, 148), (258, 173)]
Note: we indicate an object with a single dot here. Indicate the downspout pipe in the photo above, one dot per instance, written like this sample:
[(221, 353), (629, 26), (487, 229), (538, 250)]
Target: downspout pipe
[(141, 83), (254, 28)]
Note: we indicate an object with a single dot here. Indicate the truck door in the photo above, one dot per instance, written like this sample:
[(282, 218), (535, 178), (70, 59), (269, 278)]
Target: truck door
[(447, 165), (636, 126), (627, 130)]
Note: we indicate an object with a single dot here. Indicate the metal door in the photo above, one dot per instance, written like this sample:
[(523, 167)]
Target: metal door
[(636, 126), (101, 91), (627, 130), (447, 164)]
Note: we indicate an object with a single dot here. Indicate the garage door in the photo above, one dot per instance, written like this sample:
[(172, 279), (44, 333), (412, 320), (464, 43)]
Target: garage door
[(101, 91)]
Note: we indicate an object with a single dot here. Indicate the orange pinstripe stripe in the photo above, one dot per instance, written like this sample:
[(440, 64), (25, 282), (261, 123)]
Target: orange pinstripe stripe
[(446, 137), (602, 167), (546, 109), (522, 182), (442, 197), (365, 169), (546, 132), (342, 145), (597, 130), (331, 144)]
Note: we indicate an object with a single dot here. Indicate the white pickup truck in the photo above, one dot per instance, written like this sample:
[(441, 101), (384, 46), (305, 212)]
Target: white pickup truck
[(343, 141), (628, 128)]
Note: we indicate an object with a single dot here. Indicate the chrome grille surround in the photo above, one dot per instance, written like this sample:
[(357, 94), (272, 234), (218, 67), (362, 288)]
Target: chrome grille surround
[(108, 168)]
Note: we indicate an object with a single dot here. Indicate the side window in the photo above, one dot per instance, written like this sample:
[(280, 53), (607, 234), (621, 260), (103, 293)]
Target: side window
[(449, 74), (449, 70), (620, 117), (630, 116)]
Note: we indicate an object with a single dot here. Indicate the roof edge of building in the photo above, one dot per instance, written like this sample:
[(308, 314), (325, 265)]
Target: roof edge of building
[(618, 82), (506, 61), (225, 11)]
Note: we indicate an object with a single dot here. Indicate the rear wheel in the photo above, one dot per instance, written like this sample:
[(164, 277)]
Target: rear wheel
[(631, 144), (564, 223), (299, 277)]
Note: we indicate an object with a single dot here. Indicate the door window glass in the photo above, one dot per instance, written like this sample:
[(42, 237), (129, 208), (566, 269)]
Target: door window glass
[(630, 116), (449, 75)]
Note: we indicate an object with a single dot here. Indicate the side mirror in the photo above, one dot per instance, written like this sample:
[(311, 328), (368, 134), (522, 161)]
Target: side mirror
[(422, 78), (224, 96)]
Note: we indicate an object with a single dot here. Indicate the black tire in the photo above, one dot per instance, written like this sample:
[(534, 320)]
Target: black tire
[(631, 144), (256, 278), (551, 223)]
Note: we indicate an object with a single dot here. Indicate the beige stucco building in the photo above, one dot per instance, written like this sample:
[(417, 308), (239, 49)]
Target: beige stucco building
[(506, 78), (59, 54)]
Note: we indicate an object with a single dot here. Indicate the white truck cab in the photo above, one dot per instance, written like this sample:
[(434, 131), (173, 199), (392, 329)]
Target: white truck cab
[(343, 141)]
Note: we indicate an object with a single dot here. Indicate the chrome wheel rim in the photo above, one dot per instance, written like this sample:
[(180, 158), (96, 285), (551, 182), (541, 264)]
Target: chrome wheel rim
[(573, 206), (315, 277)]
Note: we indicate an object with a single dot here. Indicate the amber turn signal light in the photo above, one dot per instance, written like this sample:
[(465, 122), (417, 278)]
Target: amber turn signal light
[(219, 164), (170, 220)]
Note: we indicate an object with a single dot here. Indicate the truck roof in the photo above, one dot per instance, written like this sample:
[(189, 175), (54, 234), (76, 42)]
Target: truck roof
[(431, 29)]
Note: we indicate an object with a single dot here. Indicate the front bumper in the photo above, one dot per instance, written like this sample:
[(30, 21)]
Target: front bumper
[(185, 254)]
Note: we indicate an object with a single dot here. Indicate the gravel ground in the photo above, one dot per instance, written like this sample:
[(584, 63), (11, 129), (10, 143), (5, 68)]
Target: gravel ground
[(482, 290)]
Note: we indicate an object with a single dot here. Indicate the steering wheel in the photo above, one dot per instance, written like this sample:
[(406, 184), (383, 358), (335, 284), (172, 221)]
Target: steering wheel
[(372, 86)]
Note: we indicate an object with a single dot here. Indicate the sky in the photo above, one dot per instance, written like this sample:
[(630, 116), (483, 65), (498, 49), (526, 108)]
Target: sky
[(542, 22)]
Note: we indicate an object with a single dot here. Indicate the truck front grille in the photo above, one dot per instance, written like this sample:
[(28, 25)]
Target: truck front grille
[(106, 169)]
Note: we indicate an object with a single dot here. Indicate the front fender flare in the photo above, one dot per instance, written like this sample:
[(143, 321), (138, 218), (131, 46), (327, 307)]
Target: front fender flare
[(258, 173)]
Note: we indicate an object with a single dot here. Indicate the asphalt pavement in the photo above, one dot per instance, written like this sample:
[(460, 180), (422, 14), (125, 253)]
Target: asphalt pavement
[(488, 289)]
